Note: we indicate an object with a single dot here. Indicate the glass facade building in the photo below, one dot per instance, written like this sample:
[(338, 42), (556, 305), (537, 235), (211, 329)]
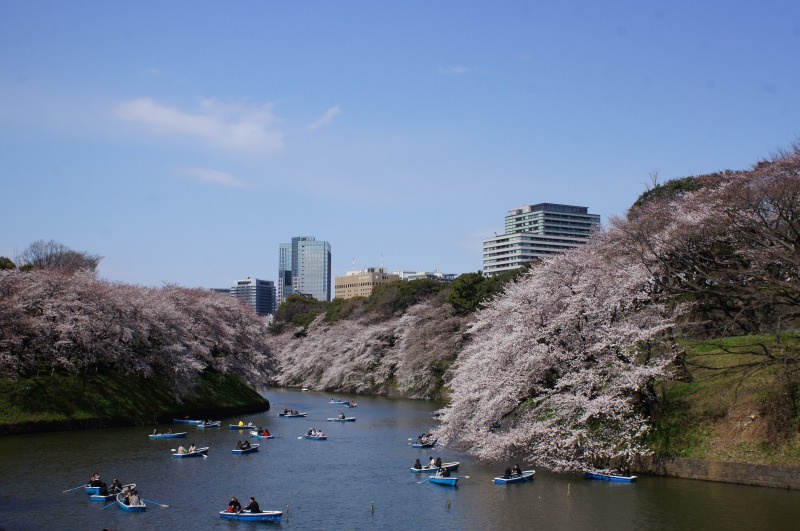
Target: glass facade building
[(260, 294), (304, 268)]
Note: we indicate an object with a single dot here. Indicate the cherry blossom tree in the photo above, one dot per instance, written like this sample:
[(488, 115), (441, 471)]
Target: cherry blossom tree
[(560, 366), (56, 319)]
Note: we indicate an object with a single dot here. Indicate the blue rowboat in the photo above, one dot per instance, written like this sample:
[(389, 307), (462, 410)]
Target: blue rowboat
[(92, 490), (316, 437), (292, 415), (197, 453), (255, 434), (346, 419), (452, 467), (179, 435), (186, 421), (212, 424), (248, 426), (245, 516), (610, 477), (339, 401), (140, 508), (428, 444), (253, 448), (450, 481), (527, 475), (100, 497)]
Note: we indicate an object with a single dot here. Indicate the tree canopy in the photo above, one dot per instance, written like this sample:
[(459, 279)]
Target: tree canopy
[(561, 366)]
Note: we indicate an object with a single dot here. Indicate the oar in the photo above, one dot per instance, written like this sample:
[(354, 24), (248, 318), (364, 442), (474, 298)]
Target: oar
[(73, 488), (109, 505), (156, 503)]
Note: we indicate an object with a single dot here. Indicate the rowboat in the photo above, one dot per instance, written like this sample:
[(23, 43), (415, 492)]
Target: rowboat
[(246, 516), (339, 401), (139, 508), (527, 475), (186, 421), (197, 453), (426, 444), (100, 497), (212, 424), (248, 426), (450, 466), (179, 435), (610, 477), (317, 437), (346, 419), (253, 448), (450, 481), (292, 415), (255, 434)]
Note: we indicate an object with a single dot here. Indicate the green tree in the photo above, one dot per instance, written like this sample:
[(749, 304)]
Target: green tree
[(6, 263)]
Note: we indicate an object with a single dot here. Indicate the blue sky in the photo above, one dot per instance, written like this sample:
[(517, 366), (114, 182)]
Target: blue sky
[(183, 141)]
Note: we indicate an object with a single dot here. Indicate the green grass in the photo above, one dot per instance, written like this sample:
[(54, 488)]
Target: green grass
[(115, 396), (720, 413)]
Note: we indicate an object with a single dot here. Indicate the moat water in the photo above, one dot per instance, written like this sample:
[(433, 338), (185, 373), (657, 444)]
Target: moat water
[(358, 479)]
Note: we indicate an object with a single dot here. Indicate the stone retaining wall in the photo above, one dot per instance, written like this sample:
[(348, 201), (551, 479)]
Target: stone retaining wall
[(784, 477)]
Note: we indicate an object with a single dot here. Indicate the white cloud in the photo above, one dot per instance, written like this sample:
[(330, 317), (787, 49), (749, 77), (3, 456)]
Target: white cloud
[(207, 175), (235, 127), (456, 70), (326, 118)]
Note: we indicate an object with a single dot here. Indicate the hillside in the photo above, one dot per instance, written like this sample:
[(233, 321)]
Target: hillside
[(674, 332)]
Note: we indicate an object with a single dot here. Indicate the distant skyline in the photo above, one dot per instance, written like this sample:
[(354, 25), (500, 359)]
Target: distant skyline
[(184, 141)]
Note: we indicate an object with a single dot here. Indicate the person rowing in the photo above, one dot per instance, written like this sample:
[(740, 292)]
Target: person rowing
[(253, 506), (234, 506)]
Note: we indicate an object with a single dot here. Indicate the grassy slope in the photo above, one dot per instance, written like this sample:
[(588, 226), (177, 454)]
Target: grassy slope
[(722, 413), (112, 396)]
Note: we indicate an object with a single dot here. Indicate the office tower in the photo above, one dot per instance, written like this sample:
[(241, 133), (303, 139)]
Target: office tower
[(304, 268), (537, 231), (260, 294)]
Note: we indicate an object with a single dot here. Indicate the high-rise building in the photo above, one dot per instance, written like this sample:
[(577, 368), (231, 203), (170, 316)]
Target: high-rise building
[(260, 294), (537, 231), (360, 283), (304, 268)]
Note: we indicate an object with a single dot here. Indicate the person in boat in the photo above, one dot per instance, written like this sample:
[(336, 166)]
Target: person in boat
[(134, 498), (443, 472), (417, 464), (239, 445), (341, 416), (95, 480), (286, 411), (253, 506), (310, 432), (241, 423), (431, 461), (155, 431), (438, 462), (115, 487), (169, 431), (517, 471), (265, 432), (507, 473), (245, 445), (181, 450), (234, 506), (192, 448), (103, 489)]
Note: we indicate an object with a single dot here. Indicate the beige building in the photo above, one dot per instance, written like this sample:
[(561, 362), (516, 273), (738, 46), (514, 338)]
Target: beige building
[(360, 283)]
